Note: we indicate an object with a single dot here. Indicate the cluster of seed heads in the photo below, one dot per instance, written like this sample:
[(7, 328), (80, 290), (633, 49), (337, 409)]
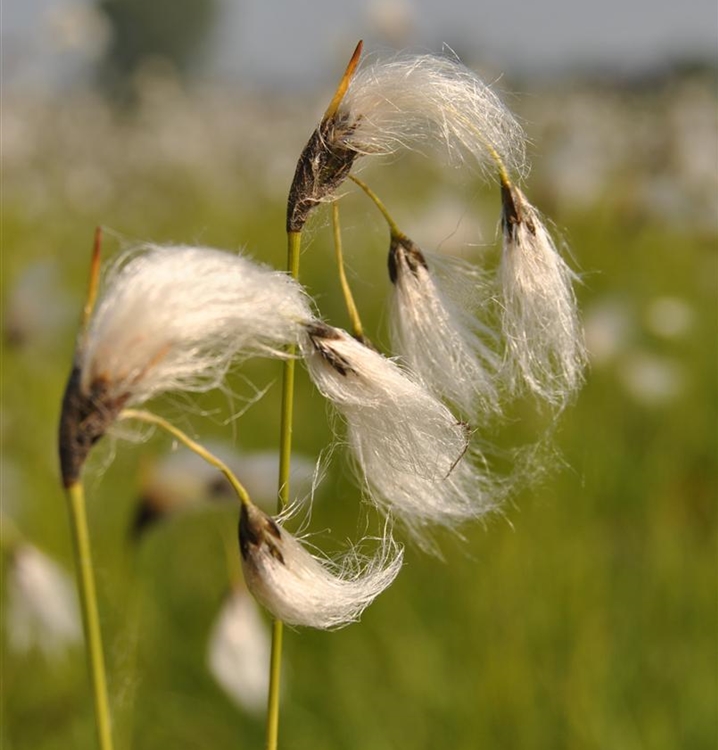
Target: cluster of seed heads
[(176, 318)]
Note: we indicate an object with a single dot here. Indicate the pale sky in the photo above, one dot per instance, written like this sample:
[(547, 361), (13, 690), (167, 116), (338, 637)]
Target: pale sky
[(285, 43)]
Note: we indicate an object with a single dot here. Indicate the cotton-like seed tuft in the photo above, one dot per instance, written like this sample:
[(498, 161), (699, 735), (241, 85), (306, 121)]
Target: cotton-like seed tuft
[(172, 318), (301, 589), (544, 341), (436, 329), (411, 452), (176, 317), (430, 103)]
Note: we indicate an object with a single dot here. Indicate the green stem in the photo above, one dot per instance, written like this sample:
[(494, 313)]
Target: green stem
[(90, 616), (294, 242), (357, 328), (393, 227), (193, 445)]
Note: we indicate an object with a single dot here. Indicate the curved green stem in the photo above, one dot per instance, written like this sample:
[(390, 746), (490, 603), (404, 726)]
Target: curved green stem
[(357, 328), (90, 615), (193, 445), (393, 227), (294, 243)]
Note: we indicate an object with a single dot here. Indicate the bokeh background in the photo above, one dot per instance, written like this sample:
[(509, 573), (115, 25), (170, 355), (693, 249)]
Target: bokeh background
[(586, 616)]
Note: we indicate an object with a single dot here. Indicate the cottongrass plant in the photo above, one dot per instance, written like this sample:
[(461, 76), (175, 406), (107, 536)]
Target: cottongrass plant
[(177, 318), (174, 318)]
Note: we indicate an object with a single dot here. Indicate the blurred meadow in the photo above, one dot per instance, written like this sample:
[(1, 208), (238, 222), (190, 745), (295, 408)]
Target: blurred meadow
[(585, 617)]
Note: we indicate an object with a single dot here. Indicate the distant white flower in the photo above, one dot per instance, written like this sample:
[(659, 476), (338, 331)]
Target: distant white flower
[(299, 588), (411, 452), (239, 650), (652, 380), (42, 610), (544, 341), (172, 318), (609, 328), (436, 330), (669, 317)]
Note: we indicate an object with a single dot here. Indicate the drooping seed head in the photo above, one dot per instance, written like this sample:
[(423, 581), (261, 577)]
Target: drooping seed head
[(544, 341), (436, 328), (411, 453), (299, 588)]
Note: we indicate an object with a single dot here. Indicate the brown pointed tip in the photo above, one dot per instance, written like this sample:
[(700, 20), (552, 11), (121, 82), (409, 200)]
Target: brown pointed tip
[(94, 277), (344, 83)]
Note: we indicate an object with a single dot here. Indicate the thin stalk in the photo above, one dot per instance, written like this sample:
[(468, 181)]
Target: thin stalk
[(357, 328), (294, 243), (150, 418), (393, 227), (90, 615)]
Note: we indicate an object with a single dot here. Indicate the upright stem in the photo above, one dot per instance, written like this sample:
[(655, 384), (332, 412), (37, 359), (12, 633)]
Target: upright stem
[(90, 616), (294, 241)]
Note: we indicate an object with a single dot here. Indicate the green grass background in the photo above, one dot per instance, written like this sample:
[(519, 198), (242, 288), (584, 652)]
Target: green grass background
[(584, 618)]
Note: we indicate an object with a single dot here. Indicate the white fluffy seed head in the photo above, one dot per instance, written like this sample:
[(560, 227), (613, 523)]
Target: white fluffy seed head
[(175, 317), (299, 588), (429, 102), (42, 611), (410, 450), (436, 329), (238, 652), (544, 340)]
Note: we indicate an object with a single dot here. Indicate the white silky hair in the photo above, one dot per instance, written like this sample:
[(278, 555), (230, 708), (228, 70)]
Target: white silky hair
[(238, 652), (176, 317), (437, 330), (313, 591), (42, 611), (411, 452), (541, 327), (422, 102)]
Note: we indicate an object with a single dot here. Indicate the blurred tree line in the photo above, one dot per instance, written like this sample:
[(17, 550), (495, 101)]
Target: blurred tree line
[(175, 32)]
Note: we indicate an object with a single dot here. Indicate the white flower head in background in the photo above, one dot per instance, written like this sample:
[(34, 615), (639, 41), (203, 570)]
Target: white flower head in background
[(425, 103), (306, 590), (238, 652), (411, 452), (436, 330), (544, 340), (172, 318), (42, 611)]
